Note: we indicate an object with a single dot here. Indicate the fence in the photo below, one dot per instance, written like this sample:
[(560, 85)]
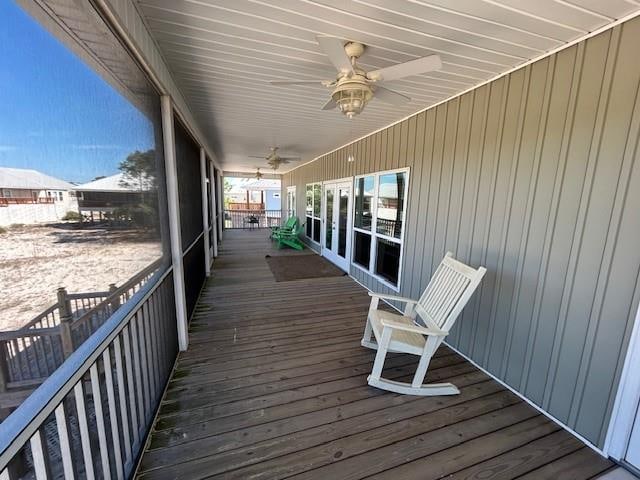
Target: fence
[(89, 419), (6, 201), (32, 353), (252, 218)]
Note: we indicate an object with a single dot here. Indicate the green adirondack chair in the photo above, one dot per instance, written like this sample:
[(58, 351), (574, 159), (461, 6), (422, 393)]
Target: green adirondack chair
[(290, 238), (289, 226)]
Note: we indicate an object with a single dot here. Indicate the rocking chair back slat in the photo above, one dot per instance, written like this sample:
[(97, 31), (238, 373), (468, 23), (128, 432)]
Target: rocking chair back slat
[(445, 292)]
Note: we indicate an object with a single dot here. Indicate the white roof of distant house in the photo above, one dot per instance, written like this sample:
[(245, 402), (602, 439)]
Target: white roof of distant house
[(30, 179), (114, 183), (256, 185)]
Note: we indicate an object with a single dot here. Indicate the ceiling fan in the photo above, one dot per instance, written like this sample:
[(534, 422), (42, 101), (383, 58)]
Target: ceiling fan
[(354, 87), (258, 174), (275, 160)]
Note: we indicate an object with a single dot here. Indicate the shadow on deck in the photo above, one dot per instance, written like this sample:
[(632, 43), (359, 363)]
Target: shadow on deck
[(274, 386)]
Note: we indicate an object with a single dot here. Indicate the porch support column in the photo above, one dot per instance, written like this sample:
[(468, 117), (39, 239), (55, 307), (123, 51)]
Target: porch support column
[(174, 220), (205, 211), (220, 199), (214, 207)]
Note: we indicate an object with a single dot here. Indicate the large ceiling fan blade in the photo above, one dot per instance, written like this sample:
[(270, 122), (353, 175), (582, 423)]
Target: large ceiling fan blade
[(330, 105), (289, 159), (389, 96), (334, 48), (297, 82), (413, 67), (256, 156)]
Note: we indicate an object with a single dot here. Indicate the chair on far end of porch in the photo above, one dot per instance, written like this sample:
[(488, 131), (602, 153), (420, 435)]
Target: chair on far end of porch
[(447, 293), (290, 238), (288, 226)]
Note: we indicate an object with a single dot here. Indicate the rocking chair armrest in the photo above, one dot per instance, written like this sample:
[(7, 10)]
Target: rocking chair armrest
[(414, 328), (393, 298)]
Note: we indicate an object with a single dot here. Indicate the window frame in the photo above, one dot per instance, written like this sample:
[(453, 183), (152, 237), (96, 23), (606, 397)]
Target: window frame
[(312, 216), (373, 233)]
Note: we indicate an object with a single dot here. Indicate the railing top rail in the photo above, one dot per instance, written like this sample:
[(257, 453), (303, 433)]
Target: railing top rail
[(29, 333), (81, 295), (117, 292), (20, 426), (39, 317)]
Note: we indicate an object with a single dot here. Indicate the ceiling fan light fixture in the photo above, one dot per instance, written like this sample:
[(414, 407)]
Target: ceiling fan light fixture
[(352, 97)]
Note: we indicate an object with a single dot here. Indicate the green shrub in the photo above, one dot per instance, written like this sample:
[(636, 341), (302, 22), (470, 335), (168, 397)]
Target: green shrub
[(72, 216)]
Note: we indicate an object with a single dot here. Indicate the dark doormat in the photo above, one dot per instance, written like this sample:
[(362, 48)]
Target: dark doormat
[(296, 267)]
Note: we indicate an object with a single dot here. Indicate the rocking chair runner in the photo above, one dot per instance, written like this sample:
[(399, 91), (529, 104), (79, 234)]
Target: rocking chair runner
[(448, 292)]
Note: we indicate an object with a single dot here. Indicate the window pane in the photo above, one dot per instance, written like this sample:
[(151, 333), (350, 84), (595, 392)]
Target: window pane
[(390, 204), (316, 230), (388, 260), (317, 193), (343, 215), (309, 208), (329, 219), (362, 249), (364, 197), (308, 226)]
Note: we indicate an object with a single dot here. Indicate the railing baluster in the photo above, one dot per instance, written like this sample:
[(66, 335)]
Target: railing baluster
[(162, 344), (151, 356), (102, 433), (68, 464), (126, 435), (136, 366), (40, 456), (78, 393), (144, 362), (113, 413)]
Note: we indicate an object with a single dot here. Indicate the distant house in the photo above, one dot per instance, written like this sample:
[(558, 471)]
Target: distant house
[(261, 194), (26, 186), (29, 196), (104, 195)]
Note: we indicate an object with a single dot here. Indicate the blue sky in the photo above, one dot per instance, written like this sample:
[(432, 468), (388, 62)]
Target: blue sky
[(56, 114)]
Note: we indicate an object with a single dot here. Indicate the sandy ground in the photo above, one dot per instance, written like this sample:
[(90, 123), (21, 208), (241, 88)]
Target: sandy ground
[(36, 260)]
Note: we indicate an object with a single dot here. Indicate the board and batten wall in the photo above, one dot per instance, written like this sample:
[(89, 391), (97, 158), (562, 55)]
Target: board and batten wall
[(536, 176)]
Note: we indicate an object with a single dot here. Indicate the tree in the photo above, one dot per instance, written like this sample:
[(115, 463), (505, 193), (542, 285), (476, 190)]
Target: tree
[(139, 171)]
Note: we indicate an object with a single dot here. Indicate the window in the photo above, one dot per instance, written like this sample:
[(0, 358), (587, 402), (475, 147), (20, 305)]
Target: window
[(291, 201), (379, 224), (313, 210)]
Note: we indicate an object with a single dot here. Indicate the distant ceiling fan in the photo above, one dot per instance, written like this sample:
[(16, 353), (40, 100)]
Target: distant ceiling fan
[(275, 160), (354, 87), (258, 174)]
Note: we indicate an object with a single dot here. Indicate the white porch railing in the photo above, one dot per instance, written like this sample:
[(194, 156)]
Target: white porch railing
[(90, 418)]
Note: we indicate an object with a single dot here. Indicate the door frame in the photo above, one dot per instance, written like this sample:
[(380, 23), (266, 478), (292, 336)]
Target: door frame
[(627, 402), (323, 227)]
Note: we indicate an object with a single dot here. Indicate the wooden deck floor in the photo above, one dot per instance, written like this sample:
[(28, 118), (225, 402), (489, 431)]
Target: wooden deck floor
[(274, 386)]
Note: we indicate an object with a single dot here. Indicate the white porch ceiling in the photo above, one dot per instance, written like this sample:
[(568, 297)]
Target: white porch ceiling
[(222, 53)]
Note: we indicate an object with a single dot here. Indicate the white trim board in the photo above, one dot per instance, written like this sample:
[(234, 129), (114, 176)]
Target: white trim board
[(542, 56), (508, 387), (627, 398)]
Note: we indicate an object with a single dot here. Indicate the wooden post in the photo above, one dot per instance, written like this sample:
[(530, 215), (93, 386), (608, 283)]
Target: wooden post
[(214, 207), (173, 204), (205, 211), (64, 310), (4, 368), (115, 303)]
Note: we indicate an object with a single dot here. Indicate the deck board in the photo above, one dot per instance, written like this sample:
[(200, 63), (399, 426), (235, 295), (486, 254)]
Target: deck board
[(274, 386)]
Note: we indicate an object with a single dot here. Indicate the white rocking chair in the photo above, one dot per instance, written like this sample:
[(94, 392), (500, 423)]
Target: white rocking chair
[(448, 292)]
